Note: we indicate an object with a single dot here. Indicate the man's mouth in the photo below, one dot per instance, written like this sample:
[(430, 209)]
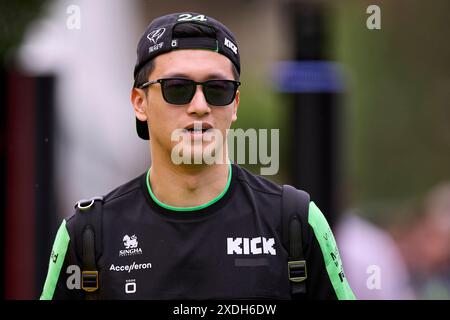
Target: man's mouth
[(198, 127)]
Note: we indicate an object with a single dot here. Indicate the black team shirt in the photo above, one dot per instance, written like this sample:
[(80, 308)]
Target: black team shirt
[(229, 248)]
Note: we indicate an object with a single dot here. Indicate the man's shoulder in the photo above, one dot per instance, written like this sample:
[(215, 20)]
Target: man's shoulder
[(128, 192), (127, 189), (257, 183)]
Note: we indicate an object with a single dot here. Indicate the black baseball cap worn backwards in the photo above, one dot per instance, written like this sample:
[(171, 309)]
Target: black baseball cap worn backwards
[(158, 39)]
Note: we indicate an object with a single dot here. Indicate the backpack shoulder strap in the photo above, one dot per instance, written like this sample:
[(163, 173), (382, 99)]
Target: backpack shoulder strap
[(88, 242), (295, 207)]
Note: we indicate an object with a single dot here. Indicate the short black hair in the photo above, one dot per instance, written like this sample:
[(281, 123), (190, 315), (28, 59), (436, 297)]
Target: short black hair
[(183, 30)]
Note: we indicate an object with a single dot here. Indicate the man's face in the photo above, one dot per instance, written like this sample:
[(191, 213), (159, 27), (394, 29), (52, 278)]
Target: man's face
[(164, 118)]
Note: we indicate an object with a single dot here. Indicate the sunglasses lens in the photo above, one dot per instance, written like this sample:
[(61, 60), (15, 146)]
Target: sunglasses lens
[(178, 91), (219, 92), (181, 91)]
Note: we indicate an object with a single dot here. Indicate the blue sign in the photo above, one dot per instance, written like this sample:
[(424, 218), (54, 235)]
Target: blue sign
[(308, 76)]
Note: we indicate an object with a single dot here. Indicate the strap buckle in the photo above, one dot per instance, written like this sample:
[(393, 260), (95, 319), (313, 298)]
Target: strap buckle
[(297, 270), (86, 204), (89, 281)]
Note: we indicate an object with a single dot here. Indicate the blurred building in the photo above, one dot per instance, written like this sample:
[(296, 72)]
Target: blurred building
[(96, 147)]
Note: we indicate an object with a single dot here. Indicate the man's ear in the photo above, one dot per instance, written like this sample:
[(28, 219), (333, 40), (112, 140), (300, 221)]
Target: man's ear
[(235, 107), (139, 101)]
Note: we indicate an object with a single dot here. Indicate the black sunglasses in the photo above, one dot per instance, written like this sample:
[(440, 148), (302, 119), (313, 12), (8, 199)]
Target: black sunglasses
[(181, 91)]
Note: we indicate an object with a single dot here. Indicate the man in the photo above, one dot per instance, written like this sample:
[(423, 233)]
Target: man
[(188, 229)]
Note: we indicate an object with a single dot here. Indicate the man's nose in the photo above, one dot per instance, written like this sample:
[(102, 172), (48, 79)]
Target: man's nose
[(198, 104)]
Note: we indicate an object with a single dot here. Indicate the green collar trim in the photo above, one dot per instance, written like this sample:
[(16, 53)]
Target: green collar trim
[(202, 206)]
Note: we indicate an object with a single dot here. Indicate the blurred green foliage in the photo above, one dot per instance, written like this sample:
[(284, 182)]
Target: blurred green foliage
[(261, 107), (398, 132), (15, 15)]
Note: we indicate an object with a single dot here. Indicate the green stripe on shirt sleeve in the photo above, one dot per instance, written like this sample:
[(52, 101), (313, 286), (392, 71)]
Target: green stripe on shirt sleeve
[(57, 257), (330, 253)]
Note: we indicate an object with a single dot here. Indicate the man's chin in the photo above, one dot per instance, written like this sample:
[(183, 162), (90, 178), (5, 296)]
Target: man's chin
[(201, 153)]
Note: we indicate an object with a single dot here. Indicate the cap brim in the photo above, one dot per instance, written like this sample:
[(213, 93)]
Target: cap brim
[(142, 129)]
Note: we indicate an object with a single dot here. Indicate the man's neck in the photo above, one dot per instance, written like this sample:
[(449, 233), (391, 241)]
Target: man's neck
[(187, 185)]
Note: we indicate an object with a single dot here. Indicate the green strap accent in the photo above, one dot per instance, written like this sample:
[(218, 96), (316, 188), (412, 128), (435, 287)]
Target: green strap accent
[(56, 261), (330, 253), (166, 206)]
